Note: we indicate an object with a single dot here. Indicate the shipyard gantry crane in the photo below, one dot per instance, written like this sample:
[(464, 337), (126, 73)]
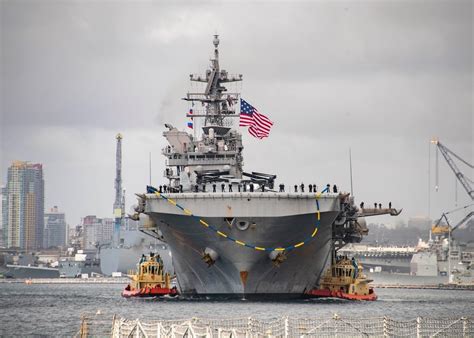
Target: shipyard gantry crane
[(446, 152), (438, 229)]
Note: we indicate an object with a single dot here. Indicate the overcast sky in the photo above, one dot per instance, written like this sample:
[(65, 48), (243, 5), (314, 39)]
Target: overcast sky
[(379, 77)]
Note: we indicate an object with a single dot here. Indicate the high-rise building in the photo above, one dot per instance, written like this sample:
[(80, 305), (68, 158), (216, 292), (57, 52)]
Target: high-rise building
[(96, 231), (3, 239), (23, 206), (55, 228)]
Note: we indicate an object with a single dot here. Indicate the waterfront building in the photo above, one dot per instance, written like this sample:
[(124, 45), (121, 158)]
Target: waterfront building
[(23, 206), (55, 229)]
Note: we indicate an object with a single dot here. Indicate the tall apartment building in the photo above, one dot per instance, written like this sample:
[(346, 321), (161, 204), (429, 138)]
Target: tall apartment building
[(23, 206), (55, 228), (3, 239), (96, 231)]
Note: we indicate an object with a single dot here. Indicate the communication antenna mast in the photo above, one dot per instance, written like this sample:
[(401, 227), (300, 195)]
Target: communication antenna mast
[(350, 168), (149, 168)]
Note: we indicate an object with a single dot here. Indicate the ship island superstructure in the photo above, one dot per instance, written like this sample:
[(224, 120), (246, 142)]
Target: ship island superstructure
[(228, 230)]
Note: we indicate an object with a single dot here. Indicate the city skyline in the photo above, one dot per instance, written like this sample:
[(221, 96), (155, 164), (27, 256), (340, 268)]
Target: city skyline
[(383, 93)]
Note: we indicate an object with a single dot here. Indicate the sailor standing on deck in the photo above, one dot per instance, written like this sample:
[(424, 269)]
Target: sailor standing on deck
[(356, 267)]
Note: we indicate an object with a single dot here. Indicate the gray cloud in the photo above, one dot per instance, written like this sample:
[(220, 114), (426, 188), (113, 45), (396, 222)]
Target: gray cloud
[(379, 77)]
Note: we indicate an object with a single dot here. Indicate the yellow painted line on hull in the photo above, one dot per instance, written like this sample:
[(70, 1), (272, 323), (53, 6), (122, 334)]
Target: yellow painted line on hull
[(189, 213), (222, 234)]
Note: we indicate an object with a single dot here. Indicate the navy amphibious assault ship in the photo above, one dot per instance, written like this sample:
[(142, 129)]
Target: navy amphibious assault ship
[(228, 230)]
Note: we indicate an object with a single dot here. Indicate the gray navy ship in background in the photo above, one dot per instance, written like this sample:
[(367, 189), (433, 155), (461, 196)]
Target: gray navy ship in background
[(229, 231)]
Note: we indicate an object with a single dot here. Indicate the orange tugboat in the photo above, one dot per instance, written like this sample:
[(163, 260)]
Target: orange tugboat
[(344, 279), (150, 280)]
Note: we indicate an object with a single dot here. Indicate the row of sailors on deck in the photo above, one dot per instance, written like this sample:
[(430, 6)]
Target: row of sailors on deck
[(311, 188), (376, 204), (243, 188)]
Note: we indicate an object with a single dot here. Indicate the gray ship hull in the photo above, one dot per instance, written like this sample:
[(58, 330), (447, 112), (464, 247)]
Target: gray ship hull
[(240, 270), (125, 258), (22, 271)]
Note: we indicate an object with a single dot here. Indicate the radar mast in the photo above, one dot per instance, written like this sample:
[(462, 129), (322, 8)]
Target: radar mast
[(217, 102)]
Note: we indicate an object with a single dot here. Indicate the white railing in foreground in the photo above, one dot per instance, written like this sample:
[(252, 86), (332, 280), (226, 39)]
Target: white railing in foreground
[(98, 326)]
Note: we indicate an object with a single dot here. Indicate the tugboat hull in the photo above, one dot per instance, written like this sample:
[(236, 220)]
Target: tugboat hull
[(149, 292), (340, 294)]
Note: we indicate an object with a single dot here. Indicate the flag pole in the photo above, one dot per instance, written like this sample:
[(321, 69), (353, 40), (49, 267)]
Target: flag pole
[(350, 168)]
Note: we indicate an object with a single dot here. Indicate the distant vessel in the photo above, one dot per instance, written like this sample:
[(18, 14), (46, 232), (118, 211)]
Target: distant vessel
[(133, 244), (228, 230), (25, 271), (80, 264), (391, 259), (25, 266)]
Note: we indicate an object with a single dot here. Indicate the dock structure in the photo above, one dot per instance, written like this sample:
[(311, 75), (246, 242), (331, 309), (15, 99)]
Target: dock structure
[(91, 280), (98, 325)]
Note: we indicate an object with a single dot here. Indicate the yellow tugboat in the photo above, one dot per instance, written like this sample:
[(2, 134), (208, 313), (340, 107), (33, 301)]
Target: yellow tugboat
[(149, 280), (344, 279)]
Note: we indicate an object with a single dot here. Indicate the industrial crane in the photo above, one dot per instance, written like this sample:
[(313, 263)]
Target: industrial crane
[(119, 203), (446, 152), (438, 229)]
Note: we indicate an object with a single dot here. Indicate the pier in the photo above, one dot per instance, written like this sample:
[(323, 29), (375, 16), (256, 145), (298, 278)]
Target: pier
[(113, 326), (426, 286), (101, 280)]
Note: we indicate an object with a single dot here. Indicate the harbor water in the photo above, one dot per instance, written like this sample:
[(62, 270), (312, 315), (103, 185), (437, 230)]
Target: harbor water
[(56, 309)]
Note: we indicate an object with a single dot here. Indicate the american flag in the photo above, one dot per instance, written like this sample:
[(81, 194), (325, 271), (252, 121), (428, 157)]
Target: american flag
[(259, 125)]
